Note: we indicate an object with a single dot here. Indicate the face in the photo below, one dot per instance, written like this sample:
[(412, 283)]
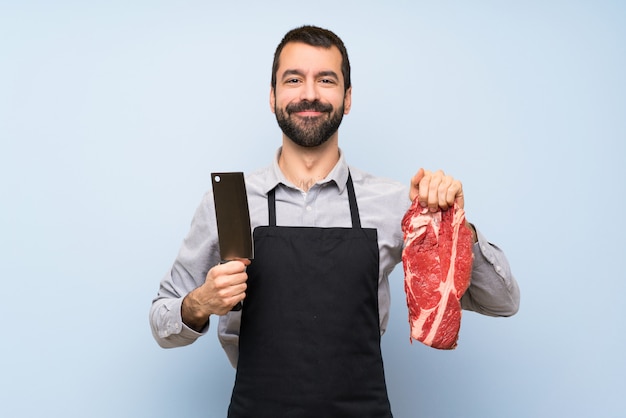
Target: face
[(309, 99)]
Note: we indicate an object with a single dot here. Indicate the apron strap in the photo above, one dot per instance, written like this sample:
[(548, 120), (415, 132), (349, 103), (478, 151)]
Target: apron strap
[(271, 206), (354, 208)]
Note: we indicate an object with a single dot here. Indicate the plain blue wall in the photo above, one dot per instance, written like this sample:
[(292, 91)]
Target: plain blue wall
[(113, 114)]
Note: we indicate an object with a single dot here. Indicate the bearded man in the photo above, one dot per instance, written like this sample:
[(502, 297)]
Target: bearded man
[(326, 237)]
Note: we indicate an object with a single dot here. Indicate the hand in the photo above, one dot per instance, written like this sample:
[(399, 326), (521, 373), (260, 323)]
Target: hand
[(223, 288), (436, 190)]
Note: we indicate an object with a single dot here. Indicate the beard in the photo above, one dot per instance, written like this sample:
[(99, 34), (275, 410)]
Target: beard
[(309, 131)]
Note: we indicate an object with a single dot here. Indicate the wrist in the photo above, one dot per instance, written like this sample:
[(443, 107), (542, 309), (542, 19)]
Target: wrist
[(192, 313)]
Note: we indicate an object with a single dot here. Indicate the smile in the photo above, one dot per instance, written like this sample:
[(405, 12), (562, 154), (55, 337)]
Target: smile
[(308, 113)]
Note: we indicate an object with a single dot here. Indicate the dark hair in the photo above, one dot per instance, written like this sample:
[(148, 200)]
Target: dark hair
[(314, 36)]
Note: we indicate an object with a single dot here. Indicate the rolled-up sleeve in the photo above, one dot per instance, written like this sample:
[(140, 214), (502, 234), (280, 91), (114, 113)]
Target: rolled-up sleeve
[(493, 290), (167, 324)]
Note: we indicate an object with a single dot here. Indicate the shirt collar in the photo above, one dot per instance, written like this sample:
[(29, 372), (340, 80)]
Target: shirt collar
[(338, 175)]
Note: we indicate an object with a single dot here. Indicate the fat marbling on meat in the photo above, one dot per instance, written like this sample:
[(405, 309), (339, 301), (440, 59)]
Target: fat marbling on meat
[(437, 260)]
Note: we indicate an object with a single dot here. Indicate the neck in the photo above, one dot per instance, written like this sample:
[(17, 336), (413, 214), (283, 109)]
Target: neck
[(306, 166)]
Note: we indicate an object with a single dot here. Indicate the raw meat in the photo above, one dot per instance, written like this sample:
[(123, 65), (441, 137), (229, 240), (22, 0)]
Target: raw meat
[(437, 260)]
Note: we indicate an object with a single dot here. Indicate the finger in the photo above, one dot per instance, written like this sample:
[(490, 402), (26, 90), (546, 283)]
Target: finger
[(424, 188), (436, 182), (230, 280), (245, 261), (225, 275), (455, 194), (443, 193), (415, 181), (225, 299), (238, 295), (460, 200), (234, 266), (234, 303), (233, 291)]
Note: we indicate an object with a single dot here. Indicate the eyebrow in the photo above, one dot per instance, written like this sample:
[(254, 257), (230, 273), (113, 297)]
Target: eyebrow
[(326, 73)]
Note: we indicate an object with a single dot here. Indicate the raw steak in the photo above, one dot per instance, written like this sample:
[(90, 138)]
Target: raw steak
[(437, 260)]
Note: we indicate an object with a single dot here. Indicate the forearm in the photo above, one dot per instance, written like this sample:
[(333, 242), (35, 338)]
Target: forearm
[(196, 256), (493, 290)]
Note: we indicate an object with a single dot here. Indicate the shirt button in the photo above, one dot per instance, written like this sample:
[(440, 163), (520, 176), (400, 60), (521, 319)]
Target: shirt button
[(308, 208)]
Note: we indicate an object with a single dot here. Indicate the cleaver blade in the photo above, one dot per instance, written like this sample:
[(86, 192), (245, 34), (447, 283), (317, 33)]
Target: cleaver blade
[(233, 216)]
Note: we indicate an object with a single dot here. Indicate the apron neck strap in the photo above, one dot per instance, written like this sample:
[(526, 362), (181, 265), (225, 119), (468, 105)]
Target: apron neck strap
[(354, 209), (271, 206)]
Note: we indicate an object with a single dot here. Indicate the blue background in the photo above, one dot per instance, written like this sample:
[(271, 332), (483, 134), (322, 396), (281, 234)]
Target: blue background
[(113, 114)]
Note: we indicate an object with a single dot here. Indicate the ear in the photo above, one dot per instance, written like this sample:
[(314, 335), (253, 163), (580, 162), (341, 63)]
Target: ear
[(347, 101), (272, 99)]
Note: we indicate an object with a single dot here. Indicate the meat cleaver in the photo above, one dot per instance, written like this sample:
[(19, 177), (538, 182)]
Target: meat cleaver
[(233, 217)]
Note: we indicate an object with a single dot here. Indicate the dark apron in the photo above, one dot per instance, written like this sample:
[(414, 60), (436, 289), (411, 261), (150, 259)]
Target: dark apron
[(309, 343)]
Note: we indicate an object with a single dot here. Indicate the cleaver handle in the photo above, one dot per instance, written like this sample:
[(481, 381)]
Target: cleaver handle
[(239, 305)]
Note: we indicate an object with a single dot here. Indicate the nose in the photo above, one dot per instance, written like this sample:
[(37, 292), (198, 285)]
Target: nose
[(309, 91)]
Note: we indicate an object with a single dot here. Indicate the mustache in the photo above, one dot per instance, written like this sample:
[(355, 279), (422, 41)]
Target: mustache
[(304, 105)]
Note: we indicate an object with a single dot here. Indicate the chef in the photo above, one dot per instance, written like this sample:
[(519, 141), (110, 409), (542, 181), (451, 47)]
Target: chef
[(326, 237)]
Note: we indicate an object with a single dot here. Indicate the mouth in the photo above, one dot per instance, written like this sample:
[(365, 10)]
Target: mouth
[(309, 113), (306, 109)]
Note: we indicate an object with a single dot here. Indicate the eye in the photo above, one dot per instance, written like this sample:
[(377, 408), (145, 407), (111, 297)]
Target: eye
[(327, 81), (292, 81)]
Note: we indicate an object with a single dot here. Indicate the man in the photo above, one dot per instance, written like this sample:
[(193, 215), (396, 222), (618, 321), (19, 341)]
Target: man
[(327, 236)]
